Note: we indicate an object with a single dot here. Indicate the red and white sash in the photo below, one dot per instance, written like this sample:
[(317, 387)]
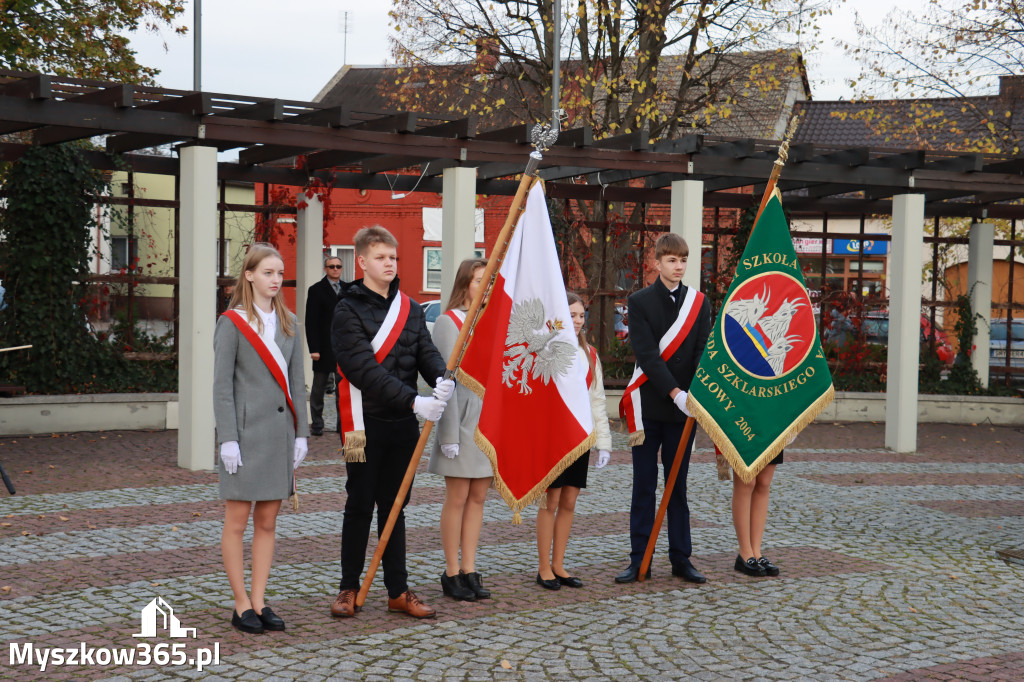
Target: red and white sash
[(629, 406), (266, 355), (591, 365), (350, 398), (454, 316)]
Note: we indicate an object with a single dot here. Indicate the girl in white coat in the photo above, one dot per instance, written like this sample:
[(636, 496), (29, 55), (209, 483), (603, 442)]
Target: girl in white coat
[(554, 518)]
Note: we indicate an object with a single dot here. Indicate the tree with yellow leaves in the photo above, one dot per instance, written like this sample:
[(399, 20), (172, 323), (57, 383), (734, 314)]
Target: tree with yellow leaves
[(947, 58), (659, 66)]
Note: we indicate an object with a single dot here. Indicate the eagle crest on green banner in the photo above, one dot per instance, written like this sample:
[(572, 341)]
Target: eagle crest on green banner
[(763, 376)]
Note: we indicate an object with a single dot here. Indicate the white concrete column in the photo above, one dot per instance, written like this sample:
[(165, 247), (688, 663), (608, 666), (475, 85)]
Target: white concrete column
[(904, 322), (687, 220), (197, 288), (458, 224), (979, 289), (309, 264)]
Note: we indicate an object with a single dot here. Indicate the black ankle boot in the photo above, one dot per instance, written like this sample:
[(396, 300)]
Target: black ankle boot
[(455, 587), (473, 582)]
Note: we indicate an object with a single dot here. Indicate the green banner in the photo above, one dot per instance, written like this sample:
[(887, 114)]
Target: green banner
[(763, 376)]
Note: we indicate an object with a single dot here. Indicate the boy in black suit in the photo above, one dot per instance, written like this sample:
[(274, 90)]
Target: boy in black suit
[(679, 319)]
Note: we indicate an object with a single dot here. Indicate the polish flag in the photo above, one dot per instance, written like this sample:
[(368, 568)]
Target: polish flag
[(522, 361)]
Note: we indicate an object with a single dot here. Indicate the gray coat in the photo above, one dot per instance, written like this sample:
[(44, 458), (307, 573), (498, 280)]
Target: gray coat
[(459, 420), (250, 407)]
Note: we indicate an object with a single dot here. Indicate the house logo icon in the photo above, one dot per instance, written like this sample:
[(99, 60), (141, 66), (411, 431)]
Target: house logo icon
[(151, 614)]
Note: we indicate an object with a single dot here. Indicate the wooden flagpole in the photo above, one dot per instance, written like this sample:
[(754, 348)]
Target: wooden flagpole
[(688, 429), (542, 139), (670, 483)]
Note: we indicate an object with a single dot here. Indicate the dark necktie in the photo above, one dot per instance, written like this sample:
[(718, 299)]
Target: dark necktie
[(675, 295)]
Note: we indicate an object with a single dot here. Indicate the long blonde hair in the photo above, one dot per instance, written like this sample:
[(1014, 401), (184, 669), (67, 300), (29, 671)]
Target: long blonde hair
[(463, 277), (582, 336), (242, 296)]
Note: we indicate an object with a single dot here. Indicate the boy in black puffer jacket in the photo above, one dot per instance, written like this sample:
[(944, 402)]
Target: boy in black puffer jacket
[(380, 340)]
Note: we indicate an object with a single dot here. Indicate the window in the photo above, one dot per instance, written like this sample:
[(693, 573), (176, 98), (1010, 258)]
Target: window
[(347, 254), (432, 267), (124, 252)]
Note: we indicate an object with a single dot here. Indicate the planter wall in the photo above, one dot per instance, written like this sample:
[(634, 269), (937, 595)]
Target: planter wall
[(29, 415)]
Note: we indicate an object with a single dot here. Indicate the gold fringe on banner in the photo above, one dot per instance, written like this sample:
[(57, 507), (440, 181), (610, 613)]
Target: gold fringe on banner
[(355, 446), (469, 382), (732, 456), (636, 438), (517, 505)]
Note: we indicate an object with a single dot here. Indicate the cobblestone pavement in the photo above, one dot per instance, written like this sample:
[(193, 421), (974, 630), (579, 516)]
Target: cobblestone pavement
[(889, 571)]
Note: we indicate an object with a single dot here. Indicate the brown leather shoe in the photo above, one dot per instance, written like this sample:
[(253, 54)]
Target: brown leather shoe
[(344, 605), (409, 603)]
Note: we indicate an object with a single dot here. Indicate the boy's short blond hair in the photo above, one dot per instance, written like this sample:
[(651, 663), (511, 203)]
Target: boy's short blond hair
[(375, 234), (671, 244)]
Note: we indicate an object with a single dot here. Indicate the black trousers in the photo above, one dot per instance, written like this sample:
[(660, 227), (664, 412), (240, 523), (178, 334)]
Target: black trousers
[(666, 436), (375, 482), (316, 399)]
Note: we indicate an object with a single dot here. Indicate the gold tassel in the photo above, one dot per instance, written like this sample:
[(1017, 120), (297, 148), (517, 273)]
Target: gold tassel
[(636, 438), (355, 446), (517, 519), (295, 500)]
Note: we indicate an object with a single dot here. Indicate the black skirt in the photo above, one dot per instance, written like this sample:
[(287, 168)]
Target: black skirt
[(575, 474)]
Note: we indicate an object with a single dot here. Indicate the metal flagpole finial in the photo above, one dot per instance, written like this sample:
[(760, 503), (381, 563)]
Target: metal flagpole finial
[(542, 136)]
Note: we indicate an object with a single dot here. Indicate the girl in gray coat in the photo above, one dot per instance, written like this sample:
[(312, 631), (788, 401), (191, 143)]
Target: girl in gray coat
[(258, 385), (466, 469)]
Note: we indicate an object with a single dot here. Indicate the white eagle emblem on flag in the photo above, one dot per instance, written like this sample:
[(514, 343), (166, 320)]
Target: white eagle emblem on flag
[(531, 347)]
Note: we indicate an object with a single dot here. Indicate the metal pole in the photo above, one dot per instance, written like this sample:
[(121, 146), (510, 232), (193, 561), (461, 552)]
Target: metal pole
[(197, 47), (556, 50)]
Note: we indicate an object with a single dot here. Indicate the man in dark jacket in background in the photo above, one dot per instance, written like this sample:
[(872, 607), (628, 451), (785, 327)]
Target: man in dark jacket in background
[(379, 337), (320, 301)]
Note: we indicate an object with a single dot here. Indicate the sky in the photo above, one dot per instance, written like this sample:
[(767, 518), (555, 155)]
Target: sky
[(291, 51)]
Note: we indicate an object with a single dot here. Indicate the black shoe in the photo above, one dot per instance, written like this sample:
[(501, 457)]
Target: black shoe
[(316, 432), (270, 620), (631, 574), (455, 587), (247, 622), (552, 584), (686, 571), (569, 580), (472, 580), (769, 567), (749, 567)]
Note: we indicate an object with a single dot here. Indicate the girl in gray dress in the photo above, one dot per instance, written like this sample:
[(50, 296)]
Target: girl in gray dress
[(258, 385), (466, 469)]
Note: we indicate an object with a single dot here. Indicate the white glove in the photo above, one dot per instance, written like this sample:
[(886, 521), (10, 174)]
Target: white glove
[(231, 456), (428, 408), (450, 450), (443, 389), (602, 458), (301, 448), (680, 401)]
